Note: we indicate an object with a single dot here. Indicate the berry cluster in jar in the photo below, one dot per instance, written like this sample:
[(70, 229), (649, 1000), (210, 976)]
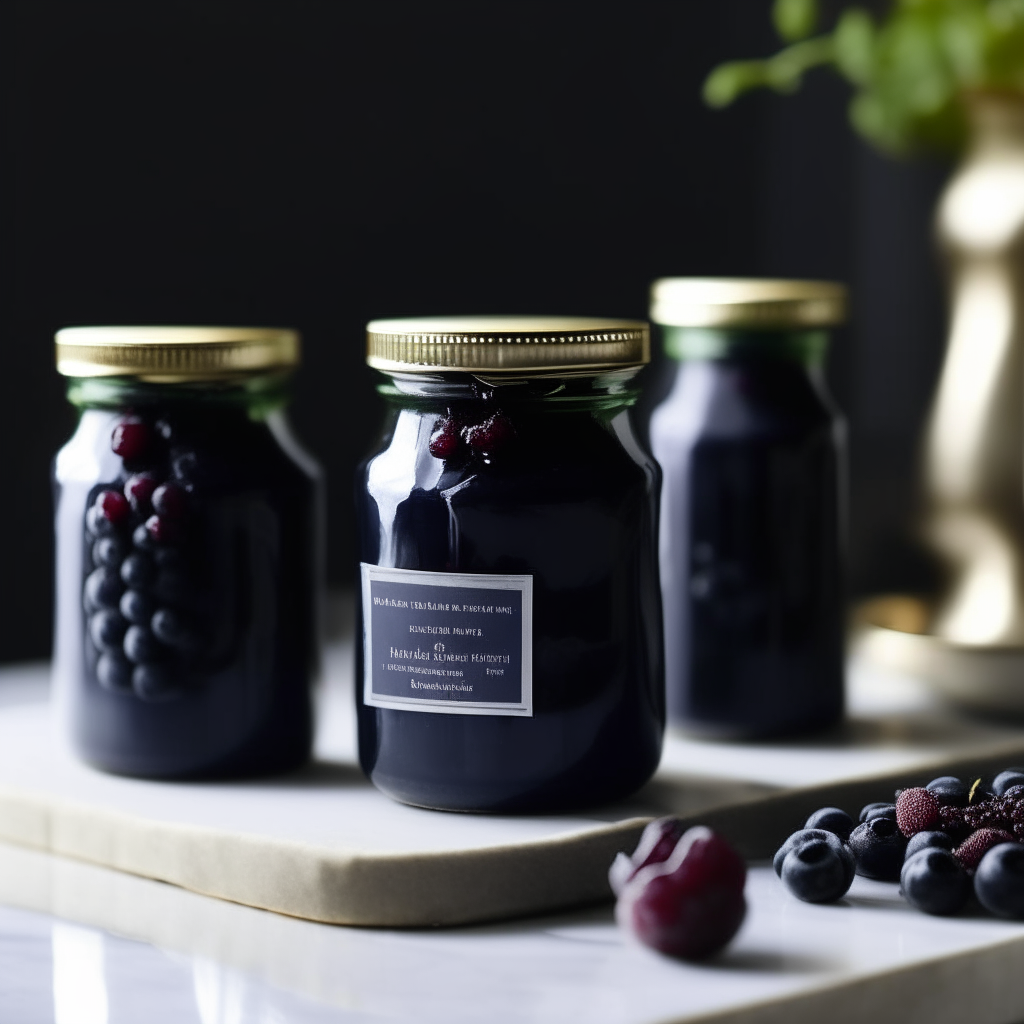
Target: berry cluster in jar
[(140, 638), (944, 843), (453, 437)]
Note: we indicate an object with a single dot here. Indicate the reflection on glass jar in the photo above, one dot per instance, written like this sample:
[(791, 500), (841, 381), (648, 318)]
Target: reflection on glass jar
[(187, 553)]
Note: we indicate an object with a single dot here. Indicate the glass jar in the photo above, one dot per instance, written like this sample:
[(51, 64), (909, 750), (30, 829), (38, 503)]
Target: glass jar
[(188, 537), (752, 451), (509, 590)]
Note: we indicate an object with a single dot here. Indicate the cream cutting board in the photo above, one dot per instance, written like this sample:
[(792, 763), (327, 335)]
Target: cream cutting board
[(323, 844)]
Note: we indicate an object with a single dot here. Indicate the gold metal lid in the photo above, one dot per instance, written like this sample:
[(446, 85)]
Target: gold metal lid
[(756, 303), (471, 344), (174, 354)]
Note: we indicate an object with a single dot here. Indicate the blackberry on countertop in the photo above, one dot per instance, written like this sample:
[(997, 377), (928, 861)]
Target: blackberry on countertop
[(917, 810), (1000, 812), (977, 844)]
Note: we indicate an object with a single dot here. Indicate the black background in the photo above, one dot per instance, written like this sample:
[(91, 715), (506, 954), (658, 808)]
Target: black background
[(315, 164)]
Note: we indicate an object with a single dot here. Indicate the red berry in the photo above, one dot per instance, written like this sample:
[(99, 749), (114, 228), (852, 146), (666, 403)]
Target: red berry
[(977, 844), (130, 438), (139, 489), (169, 500), (691, 904), (917, 810), (657, 842), (162, 530), (490, 435), (112, 505), (444, 441)]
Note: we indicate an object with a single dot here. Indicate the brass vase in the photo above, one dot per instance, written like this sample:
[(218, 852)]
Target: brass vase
[(969, 640)]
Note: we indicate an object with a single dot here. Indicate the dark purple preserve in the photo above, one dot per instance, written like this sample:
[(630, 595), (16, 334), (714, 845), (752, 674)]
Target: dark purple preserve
[(511, 620), (187, 528), (751, 448)]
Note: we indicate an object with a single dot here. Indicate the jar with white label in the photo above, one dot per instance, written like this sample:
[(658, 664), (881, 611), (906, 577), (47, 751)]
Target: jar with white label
[(510, 608)]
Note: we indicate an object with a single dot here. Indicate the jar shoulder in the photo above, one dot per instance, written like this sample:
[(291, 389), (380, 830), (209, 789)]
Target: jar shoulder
[(741, 401), (546, 457)]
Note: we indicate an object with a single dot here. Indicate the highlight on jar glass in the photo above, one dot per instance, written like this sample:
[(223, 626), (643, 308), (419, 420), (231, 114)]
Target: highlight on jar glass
[(751, 446), (510, 611), (188, 526)]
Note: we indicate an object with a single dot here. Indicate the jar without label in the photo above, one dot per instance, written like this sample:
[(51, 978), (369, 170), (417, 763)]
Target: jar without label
[(511, 656), (751, 448), (187, 531)]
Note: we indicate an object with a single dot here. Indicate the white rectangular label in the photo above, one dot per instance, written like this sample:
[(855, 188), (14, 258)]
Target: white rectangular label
[(447, 642)]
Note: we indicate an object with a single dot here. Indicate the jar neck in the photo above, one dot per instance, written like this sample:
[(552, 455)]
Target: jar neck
[(807, 347), (594, 389), (256, 395)]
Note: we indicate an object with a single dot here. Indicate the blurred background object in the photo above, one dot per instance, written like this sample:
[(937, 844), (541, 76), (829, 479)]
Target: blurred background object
[(938, 74), (265, 163), (753, 504)]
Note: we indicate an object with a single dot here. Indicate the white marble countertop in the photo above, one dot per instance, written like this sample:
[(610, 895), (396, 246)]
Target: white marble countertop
[(80, 944)]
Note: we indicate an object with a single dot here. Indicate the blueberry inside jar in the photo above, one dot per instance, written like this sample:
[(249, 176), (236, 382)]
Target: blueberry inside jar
[(187, 532), (510, 609)]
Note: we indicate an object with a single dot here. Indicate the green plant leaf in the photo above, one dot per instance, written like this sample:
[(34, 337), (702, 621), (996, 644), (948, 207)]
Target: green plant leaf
[(855, 45), (729, 81), (795, 19), (912, 66)]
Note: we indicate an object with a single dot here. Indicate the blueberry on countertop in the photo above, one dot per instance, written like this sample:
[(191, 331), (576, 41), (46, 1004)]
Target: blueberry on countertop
[(1005, 780), (831, 819), (878, 846), (999, 880), (933, 881), (804, 835), (927, 841), (949, 791), (818, 871), (879, 810)]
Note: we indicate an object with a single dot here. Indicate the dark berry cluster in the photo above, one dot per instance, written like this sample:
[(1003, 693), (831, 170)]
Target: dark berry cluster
[(452, 438), (942, 842), (139, 638), (681, 892)]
